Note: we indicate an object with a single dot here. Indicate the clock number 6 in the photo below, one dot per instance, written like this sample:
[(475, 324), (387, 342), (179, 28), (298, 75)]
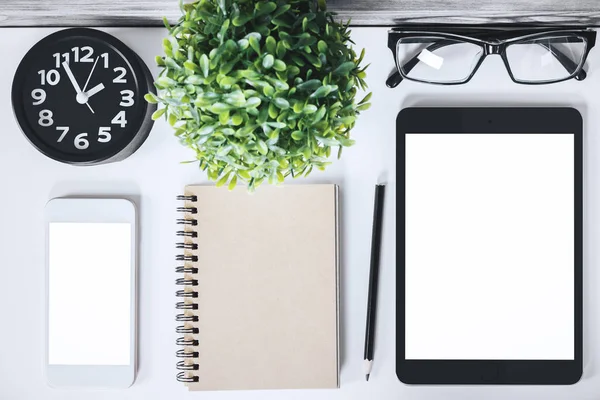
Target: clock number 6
[(80, 142)]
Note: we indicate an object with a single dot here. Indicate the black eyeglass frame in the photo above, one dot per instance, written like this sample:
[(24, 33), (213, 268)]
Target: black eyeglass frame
[(492, 42)]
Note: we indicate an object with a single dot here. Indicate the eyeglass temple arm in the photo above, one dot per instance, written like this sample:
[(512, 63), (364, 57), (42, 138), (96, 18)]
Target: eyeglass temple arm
[(395, 79)]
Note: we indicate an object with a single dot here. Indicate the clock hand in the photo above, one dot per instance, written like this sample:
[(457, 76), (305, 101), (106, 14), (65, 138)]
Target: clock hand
[(90, 107), (71, 77), (95, 90), (90, 75)]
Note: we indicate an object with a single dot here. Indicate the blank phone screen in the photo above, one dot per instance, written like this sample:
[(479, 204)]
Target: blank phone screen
[(489, 230), (89, 293)]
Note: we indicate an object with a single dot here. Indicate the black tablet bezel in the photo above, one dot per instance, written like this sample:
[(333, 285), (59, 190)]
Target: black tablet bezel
[(489, 120)]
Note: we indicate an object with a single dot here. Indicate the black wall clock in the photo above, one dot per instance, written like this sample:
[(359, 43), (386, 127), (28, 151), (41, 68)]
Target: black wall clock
[(78, 96)]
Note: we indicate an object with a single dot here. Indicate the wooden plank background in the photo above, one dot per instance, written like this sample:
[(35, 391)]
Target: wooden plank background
[(362, 12)]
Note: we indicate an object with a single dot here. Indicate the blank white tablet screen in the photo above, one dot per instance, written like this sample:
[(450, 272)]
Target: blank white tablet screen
[(489, 246), (89, 297)]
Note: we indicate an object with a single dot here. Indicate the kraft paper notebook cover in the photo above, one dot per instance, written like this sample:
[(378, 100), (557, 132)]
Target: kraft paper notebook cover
[(258, 288)]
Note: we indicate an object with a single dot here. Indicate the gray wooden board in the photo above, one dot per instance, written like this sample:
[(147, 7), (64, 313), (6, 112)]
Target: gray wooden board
[(362, 12)]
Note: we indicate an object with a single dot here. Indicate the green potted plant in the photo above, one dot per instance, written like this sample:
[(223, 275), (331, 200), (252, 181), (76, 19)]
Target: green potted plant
[(260, 90)]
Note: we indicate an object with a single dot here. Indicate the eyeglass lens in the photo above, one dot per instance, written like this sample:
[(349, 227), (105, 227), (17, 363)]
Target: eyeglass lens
[(546, 59), (443, 60)]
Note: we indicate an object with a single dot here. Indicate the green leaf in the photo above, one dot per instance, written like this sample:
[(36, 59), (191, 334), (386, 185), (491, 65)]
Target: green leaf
[(218, 108), (279, 85), (345, 141), (273, 111), (264, 8), (262, 147), (319, 115), (158, 113), (242, 19), (281, 50), (227, 82), (166, 23), (172, 119), (279, 65), (151, 98), (277, 125), (366, 98), (309, 109), (170, 63), (268, 61), (344, 68), (271, 45), (204, 65), (223, 30), (310, 85), (363, 107), (194, 80), (166, 82), (223, 180), (243, 44), (297, 135), (252, 102), (268, 90), (224, 118), (327, 141), (206, 130), (237, 119), (226, 68), (232, 183), (322, 46), (281, 103), (314, 60), (255, 44), (282, 9), (191, 66), (321, 92)]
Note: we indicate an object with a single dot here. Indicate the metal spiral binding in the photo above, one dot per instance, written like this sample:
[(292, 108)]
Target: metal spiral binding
[(187, 353)]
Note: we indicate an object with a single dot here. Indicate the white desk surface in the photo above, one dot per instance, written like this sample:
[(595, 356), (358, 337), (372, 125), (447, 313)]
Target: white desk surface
[(153, 176)]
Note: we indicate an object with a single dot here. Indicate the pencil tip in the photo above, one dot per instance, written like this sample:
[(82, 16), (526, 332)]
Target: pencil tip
[(367, 376)]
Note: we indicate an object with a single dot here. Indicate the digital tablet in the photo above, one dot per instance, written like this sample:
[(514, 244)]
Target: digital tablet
[(489, 254)]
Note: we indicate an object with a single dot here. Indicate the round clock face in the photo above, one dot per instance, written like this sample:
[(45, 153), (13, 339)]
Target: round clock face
[(78, 96)]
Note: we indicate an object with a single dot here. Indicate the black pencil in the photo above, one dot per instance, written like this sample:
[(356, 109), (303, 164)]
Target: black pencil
[(373, 279)]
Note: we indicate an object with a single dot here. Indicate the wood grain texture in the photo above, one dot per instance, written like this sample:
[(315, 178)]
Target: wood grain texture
[(362, 12)]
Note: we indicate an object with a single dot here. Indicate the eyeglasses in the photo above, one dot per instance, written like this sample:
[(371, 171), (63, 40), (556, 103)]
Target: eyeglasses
[(531, 57)]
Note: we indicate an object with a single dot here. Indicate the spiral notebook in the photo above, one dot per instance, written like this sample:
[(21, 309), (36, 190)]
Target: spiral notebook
[(258, 290)]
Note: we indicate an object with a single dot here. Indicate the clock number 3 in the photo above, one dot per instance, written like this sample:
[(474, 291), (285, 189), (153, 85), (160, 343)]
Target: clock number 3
[(126, 98)]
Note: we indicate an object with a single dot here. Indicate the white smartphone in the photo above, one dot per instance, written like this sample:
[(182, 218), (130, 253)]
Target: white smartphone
[(91, 292)]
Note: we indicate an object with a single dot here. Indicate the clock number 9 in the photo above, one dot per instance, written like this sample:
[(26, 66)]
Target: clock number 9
[(39, 95)]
